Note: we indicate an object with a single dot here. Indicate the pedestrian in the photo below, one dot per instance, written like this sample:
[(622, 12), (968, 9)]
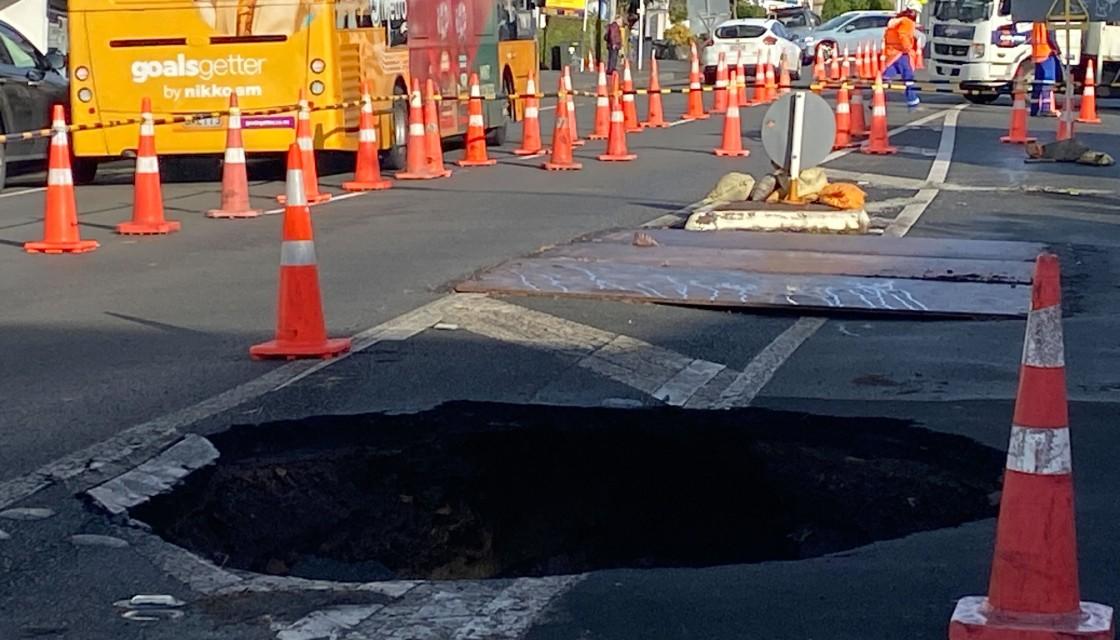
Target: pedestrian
[(1047, 68), (614, 44), (900, 44)]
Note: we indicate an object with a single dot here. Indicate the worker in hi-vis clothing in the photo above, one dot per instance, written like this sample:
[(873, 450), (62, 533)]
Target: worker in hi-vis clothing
[(1047, 69), (900, 44)]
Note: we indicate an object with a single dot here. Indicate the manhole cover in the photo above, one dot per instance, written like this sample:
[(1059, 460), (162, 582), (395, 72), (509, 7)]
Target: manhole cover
[(472, 490)]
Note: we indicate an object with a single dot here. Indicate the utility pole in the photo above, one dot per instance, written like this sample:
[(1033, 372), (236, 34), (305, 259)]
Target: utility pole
[(599, 32)]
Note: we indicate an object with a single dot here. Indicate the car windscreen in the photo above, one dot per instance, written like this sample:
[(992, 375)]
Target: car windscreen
[(740, 31), (962, 10)]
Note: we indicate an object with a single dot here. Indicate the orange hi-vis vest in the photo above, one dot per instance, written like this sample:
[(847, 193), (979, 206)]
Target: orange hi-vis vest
[(899, 37), (1040, 42)]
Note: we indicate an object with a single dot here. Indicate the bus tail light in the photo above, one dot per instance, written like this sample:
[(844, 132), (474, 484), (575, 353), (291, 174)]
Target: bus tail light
[(85, 95), (317, 65), (317, 88), (81, 73)]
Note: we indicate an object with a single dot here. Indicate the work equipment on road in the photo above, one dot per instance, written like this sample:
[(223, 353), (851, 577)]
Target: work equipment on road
[(656, 111), (731, 187), (843, 138), (474, 152), (307, 147), (719, 96), (561, 159), (416, 155), (367, 167), (695, 91), (60, 220), (629, 106), (572, 117), (732, 145), (1087, 113), (1067, 151), (1034, 593), (147, 194), (432, 137), (617, 150), (531, 143), (878, 143), (602, 107), (235, 176), (301, 331), (859, 121), (1017, 132)]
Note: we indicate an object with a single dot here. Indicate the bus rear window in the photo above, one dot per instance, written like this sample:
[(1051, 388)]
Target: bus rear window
[(246, 39), (147, 42)]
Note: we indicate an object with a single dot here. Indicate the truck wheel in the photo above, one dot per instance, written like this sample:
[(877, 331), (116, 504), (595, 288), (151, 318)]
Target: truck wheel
[(981, 98), (397, 156)]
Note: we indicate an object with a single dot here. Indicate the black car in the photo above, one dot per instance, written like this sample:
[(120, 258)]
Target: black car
[(30, 85)]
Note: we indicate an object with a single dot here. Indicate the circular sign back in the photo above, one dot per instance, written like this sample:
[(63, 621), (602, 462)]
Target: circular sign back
[(818, 130)]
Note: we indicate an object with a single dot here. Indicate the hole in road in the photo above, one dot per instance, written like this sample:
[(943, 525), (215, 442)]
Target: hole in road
[(477, 490)]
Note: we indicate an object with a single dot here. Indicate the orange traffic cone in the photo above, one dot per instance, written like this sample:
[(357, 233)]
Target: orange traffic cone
[(1017, 134), (879, 141), (695, 91), (416, 158), (732, 144), (576, 142), (474, 153), (602, 107), (301, 331), (820, 75), (235, 177), (861, 61), (147, 194), (432, 137), (843, 138), (719, 95), (784, 83), (1065, 119), (741, 70), (367, 167), (616, 143), (846, 65), (656, 115), (1088, 112), (1033, 593), (859, 123), (307, 147), (629, 106), (771, 82), (834, 66), (876, 67), (531, 143), (60, 222), (760, 96), (561, 159)]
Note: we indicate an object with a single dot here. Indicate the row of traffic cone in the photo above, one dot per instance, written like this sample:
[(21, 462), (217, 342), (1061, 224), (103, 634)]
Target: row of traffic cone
[(1018, 131), (851, 124)]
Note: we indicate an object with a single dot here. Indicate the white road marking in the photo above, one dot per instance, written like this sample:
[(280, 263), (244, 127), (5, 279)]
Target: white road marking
[(836, 155), (338, 197), (24, 192), (742, 391)]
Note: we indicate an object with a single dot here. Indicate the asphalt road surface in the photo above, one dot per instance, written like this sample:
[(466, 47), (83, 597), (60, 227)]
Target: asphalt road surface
[(109, 357)]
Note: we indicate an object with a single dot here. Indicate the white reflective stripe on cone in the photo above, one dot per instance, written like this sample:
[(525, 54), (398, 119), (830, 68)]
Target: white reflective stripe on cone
[(304, 144), (367, 107), (602, 102), (60, 177), (629, 97), (296, 197), (415, 129), (733, 111), (1044, 452), (476, 121), (58, 139), (843, 108), (297, 253), (616, 116), (879, 111), (367, 135), (532, 112), (147, 129), (234, 121), (235, 155), (1043, 344), (147, 164)]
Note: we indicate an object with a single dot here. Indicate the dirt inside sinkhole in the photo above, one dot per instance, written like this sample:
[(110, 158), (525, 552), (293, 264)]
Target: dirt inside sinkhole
[(480, 490)]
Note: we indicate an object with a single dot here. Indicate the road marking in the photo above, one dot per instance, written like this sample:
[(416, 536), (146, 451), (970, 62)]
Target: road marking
[(742, 391), (836, 155), (12, 194), (339, 197)]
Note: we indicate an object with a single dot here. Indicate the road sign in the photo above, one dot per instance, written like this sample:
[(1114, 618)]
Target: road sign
[(818, 125)]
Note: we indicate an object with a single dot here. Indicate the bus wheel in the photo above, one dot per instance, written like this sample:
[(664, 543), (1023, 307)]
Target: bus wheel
[(84, 170), (396, 157)]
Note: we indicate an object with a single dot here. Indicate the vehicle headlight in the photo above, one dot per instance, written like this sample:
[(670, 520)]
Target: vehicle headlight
[(978, 50)]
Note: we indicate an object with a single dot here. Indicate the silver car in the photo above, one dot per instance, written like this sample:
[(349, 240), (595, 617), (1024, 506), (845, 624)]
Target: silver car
[(848, 30)]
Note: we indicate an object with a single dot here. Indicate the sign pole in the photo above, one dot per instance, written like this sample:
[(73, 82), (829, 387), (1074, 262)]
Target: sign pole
[(599, 31)]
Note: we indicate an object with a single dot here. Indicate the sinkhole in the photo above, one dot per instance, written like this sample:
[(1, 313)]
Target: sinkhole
[(481, 490)]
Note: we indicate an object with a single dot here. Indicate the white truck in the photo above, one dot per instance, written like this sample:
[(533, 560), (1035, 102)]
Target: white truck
[(977, 44)]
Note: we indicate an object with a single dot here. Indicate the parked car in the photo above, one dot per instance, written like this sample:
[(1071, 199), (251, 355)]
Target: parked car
[(746, 38), (30, 85), (848, 30), (799, 21)]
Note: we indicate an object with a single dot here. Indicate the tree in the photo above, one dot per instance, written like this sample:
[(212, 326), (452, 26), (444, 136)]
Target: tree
[(678, 11), (833, 8), (747, 9)]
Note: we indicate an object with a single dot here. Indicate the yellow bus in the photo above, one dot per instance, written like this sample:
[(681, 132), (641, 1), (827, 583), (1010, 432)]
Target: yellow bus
[(189, 56)]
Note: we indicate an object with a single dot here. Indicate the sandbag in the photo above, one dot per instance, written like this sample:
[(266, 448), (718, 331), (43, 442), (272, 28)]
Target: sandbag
[(733, 187), (843, 196)]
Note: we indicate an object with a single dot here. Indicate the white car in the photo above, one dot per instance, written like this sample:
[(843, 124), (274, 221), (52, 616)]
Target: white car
[(743, 40), (848, 30)]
